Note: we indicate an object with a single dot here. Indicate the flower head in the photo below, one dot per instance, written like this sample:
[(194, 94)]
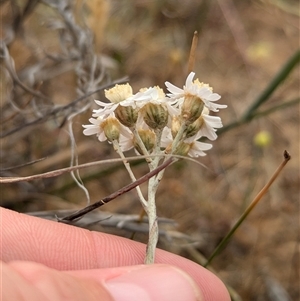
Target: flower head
[(108, 128), (148, 138), (155, 95), (206, 125), (155, 116), (118, 93), (197, 148), (120, 96), (95, 128), (127, 115), (195, 89), (209, 126), (189, 146)]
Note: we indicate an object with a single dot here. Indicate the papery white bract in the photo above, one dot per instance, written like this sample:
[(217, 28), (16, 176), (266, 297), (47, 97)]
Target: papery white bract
[(197, 148), (95, 128), (209, 125), (126, 142), (107, 108)]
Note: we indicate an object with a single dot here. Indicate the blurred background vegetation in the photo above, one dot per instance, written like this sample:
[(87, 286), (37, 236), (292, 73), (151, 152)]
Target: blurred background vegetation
[(57, 56)]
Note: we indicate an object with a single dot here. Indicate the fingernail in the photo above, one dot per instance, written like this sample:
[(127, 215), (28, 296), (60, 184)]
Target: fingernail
[(152, 283)]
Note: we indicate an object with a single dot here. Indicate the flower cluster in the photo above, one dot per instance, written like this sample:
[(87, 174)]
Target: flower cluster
[(151, 121)]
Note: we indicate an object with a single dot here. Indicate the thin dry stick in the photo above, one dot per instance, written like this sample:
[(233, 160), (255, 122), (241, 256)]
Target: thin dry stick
[(58, 172), (20, 166), (287, 157), (114, 195), (192, 56), (57, 110)]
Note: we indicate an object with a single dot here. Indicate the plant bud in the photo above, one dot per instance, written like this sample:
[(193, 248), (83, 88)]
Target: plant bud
[(193, 128), (155, 116), (182, 149), (111, 128), (126, 115), (191, 109), (148, 138)]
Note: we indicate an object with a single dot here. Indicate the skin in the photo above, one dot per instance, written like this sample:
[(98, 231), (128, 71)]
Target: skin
[(53, 261)]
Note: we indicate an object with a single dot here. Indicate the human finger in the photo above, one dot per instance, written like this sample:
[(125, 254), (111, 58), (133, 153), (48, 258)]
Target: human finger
[(64, 247), (152, 282), (28, 281)]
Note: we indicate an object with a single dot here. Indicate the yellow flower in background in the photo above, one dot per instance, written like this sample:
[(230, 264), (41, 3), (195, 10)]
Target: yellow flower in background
[(262, 139), (259, 51)]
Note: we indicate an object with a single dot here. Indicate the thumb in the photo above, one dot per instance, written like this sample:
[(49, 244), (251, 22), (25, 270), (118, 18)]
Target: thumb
[(153, 282)]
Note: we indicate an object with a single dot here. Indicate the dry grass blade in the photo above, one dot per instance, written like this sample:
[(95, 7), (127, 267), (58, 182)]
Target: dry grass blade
[(192, 58), (127, 222), (225, 240)]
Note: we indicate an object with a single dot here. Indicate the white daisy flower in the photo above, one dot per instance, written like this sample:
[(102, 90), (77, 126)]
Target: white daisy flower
[(107, 108), (95, 128), (139, 99), (115, 95), (195, 88), (166, 138), (209, 124), (108, 128), (190, 146), (197, 149), (120, 95), (156, 96), (126, 142)]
